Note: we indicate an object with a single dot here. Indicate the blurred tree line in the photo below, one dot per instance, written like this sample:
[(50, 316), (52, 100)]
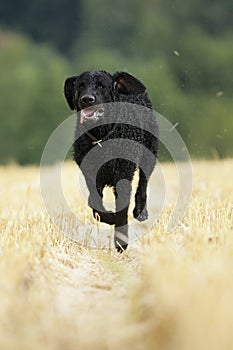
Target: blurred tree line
[(182, 51)]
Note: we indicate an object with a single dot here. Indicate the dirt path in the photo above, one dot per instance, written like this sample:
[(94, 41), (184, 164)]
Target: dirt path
[(167, 291)]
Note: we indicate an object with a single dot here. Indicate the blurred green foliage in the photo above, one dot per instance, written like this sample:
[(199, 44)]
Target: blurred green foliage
[(181, 50), (31, 100)]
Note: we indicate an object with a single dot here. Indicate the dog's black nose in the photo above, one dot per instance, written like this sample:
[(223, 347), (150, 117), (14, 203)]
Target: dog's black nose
[(88, 100)]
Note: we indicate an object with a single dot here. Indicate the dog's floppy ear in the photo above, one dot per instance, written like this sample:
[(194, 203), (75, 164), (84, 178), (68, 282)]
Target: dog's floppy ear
[(69, 91), (127, 84)]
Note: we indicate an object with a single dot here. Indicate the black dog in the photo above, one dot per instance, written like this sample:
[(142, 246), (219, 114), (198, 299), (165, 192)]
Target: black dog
[(92, 95)]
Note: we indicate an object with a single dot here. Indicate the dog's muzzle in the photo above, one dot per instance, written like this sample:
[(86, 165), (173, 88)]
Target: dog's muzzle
[(91, 114)]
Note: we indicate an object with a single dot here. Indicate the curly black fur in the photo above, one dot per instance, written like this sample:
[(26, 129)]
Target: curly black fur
[(95, 88)]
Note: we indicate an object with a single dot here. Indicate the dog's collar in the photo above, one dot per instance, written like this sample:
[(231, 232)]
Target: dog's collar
[(95, 141)]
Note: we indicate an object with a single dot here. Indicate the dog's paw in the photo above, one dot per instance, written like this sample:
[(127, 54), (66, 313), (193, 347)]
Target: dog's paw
[(140, 215), (121, 240), (121, 248), (108, 217)]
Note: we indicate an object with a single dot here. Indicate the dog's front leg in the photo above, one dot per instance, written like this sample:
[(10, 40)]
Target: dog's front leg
[(95, 201), (140, 210)]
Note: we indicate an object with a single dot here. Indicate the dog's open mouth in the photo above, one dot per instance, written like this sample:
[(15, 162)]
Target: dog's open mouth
[(91, 114)]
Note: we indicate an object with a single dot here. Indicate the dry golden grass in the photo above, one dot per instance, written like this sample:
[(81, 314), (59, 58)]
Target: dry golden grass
[(168, 291)]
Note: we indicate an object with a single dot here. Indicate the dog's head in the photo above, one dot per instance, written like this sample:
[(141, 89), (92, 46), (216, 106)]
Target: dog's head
[(89, 91)]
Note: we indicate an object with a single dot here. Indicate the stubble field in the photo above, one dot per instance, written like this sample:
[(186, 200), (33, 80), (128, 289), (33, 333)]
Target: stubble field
[(168, 291)]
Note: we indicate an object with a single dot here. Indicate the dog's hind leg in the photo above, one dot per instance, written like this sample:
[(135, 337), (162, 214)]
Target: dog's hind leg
[(122, 194)]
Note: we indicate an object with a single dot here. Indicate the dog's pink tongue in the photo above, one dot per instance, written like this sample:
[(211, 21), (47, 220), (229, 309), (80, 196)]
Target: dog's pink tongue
[(82, 116), (86, 113)]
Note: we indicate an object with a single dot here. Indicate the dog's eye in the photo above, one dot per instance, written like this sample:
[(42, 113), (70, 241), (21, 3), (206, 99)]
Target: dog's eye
[(101, 85), (81, 86)]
